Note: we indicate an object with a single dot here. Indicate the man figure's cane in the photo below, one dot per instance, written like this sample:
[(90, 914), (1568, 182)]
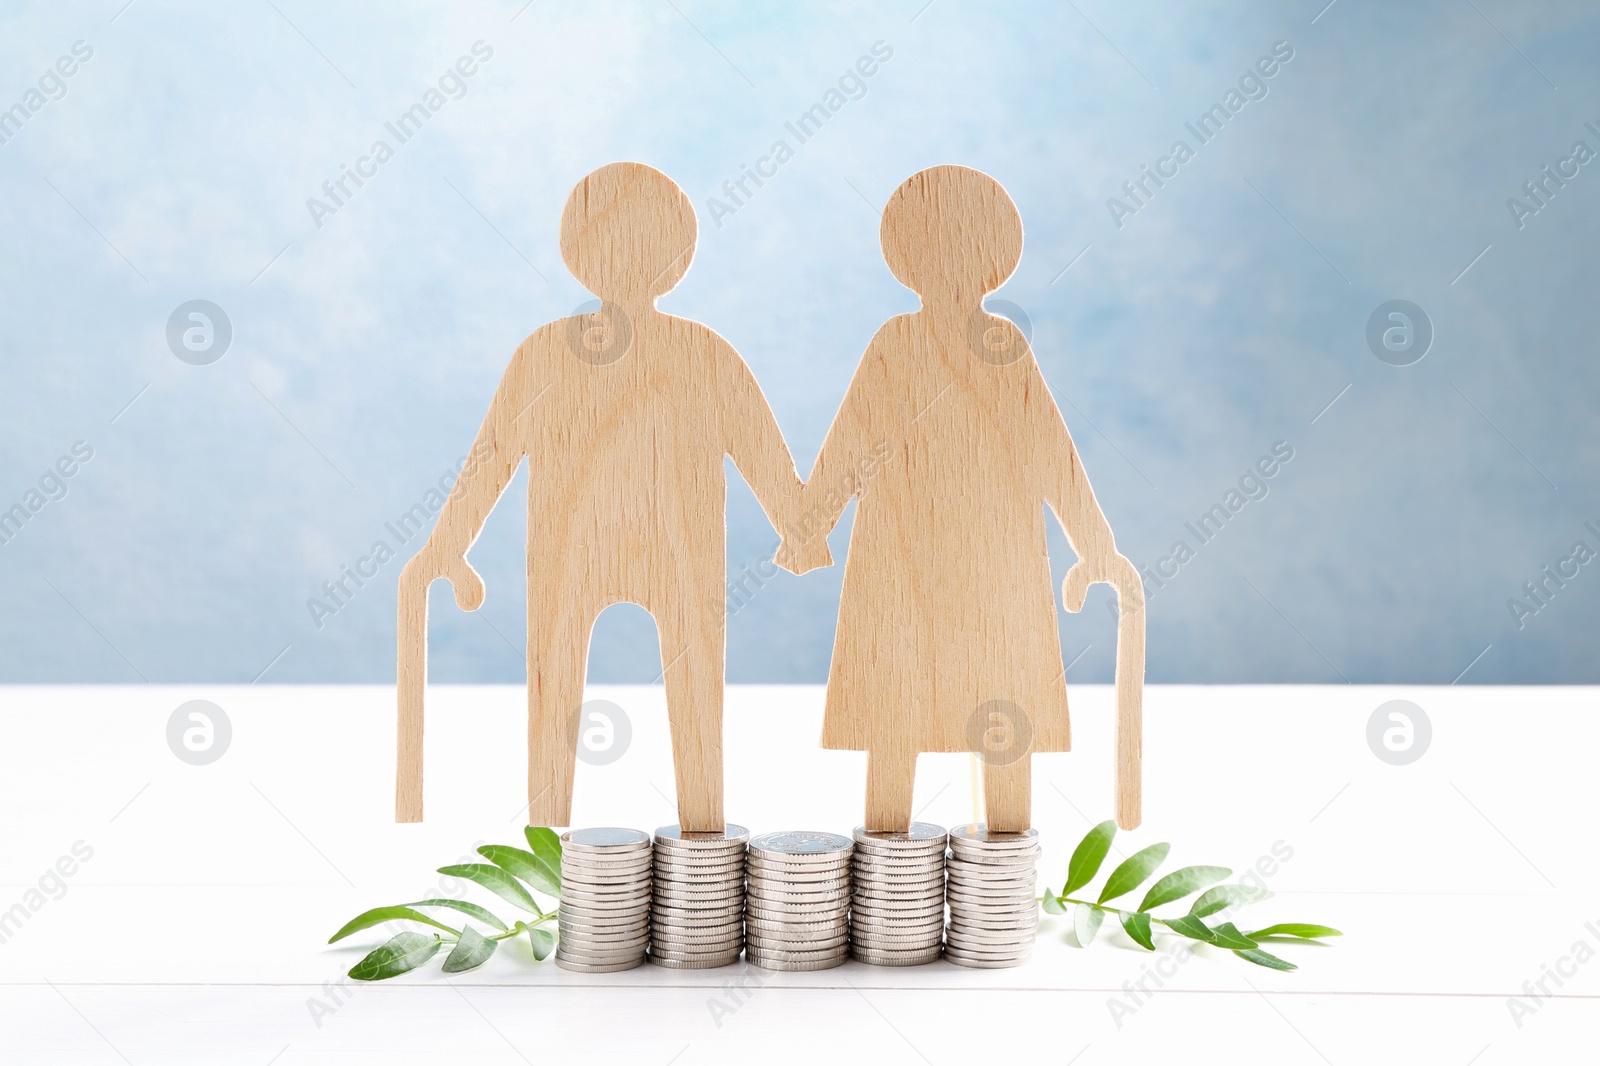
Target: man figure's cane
[(1130, 698), (412, 680)]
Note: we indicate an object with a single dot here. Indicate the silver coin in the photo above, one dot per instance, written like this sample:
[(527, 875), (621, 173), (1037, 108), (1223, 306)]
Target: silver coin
[(978, 834), (716, 925), (994, 924), (898, 886), (796, 943), (880, 916), (781, 917), (879, 901), (894, 958), (577, 890), (691, 890), (958, 954), (576, 903), (603, 838), (673, 871), (610, 864), (998, 937), (778, 894), (703, 911), (797, 846), (795, 967), (978, 871), (795, 928), (673, 836), (602, 952), (699, 964), (802, 954), (984, 964), (959, 898), (591, 879), (786, 870), (799, 884), (690, 953), (586, 967), (587, 927), (919, 833), (869, 934)]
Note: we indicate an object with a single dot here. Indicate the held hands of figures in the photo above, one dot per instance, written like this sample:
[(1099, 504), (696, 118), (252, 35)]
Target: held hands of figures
[(1119, 573), (432, 563), (809, 553)]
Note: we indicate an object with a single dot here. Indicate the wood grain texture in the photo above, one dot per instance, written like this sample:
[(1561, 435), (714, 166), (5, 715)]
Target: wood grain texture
[(624, 416), (951, 441)]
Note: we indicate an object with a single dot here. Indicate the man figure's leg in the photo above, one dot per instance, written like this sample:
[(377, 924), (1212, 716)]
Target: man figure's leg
[(1008, 795), (558, 652), (693, 635), (891, 777)]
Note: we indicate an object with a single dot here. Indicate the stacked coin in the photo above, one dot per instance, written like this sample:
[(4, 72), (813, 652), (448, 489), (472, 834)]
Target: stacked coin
[(697, 915), (604, 918), (994, 911), (897, 900), (797, 901)]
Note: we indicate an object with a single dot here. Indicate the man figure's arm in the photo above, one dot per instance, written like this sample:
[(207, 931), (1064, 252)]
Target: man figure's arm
[(757, 448), (494, 457)]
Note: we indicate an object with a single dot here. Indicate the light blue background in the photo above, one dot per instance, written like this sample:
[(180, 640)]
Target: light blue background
[(1223, 317)]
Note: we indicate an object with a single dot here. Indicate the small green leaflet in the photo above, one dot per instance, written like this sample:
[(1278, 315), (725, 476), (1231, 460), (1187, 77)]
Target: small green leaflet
[(471, 909), (403, 953), (1087, 857), (523, 864), (1052, 905), (1296, 929), (1261, 958), (1180, 883), (1131, 874), (470, 952), (1137, 925), (1227, 935), (546, 847), (544, 942), (495, 880), (1222, 897), (1086, 921), (379, 915), (1191, 927)]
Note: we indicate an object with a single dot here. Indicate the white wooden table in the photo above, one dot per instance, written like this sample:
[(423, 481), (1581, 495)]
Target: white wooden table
[(195, 932)]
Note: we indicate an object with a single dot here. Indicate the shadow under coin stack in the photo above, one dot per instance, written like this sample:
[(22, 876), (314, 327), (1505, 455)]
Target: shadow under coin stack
[(797, 902), (697, 914), (897, 899), (604, 917), (994, 911)]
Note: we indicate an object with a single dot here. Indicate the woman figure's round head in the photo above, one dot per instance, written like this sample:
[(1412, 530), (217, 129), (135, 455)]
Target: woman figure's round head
[(951, 233), (628, 232)]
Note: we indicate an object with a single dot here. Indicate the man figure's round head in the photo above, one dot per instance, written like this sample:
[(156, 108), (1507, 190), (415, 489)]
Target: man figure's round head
[(628, 233), (951, 234)]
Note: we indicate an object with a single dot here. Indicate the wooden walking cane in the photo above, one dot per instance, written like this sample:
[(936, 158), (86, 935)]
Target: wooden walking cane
[(1130, 699), (411, 681)]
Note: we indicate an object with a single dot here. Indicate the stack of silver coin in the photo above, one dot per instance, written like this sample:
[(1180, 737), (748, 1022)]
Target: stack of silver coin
[(604, 918), (897, 900), (697, 914), (797, 901), (994, 910)]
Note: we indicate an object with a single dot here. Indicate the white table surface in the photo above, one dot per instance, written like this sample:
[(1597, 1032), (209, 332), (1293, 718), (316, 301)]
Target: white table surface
[(197, 931)]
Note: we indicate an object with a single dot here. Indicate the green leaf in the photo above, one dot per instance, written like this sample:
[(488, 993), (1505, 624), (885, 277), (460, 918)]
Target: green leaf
[(1088, 855), (1137, 925), (1222, 897), (1191, 927), (1261, 958), (465, 908), (470, 952), (379, 915), (1180, 883), (1086, 920), (402, 953), (1052, 904), (546, 847), (1296, 929), (1133, 871), (544, 942), (1227, 935), (523, 864), (495, 880)]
